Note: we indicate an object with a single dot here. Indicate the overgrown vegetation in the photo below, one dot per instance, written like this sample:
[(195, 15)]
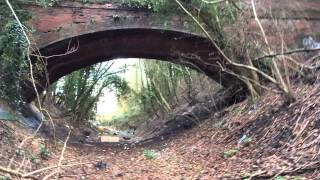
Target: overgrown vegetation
[(157, 89), (14, 51), (237, 52), (283, 140), (238, 62), (157, 86), (80, 91)]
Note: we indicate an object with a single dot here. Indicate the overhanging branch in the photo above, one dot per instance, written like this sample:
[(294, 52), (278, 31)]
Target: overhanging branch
[(295, 51)]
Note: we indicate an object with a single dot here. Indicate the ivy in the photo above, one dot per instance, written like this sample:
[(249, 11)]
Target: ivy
[(46, 3), (152, 5), (13, 52)]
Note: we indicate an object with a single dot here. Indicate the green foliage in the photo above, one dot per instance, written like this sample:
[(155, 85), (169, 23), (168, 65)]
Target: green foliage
[(43, 152), (247, 141), (13, 51), (213, 15), (155, 89), (159, 84), (153, 5), (126, 119), (4, 177), (148, 153), (119, 85), (19, 152), (32, 158), (230, 153), (46, 3), (237, 110), (80, 91)]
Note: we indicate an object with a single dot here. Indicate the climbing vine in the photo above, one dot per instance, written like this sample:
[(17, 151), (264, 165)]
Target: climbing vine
[(13, 51)]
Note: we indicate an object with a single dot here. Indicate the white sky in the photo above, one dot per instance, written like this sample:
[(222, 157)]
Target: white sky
[(108, 104)]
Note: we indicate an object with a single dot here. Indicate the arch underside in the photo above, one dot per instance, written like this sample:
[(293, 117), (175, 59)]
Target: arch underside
[(177, 47)]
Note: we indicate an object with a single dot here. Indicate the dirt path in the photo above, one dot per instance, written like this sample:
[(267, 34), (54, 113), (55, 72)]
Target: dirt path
[(212, 150), (283, 143)]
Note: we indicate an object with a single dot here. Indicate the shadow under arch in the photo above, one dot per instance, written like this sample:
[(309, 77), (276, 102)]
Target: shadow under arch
[(177, 47)]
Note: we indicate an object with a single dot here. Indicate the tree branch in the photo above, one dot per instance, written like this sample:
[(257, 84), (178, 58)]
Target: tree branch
[(301, 50)]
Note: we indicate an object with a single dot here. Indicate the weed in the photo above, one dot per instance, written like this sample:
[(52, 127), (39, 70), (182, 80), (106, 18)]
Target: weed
[(19, 152), (279, 178), (44, 152), (247, 141), (230, 152), (245, 175), (148, 153), (32, 158), (237, 110), (220, 124)]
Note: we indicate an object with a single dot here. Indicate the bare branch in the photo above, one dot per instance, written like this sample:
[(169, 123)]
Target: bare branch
[(301, 50)]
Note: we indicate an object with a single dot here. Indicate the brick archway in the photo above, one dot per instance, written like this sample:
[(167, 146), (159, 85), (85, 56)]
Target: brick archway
[(174, 46)]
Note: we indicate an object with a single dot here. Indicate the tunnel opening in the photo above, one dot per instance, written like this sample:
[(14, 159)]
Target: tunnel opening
[(131, 100), (80, 55), (65, 56)]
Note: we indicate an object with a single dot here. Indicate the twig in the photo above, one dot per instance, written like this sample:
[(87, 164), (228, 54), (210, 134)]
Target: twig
[(301, 50), (297, 121), (53, 126), (244, 78), (63, 150), (69, 50), (280, 84), (257, 174), (51, 167), (10, 171), (51, 174), (16, 173), (300, 169)]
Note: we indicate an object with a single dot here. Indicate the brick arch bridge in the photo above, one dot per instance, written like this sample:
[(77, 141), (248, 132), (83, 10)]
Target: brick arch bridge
[(109, 31)]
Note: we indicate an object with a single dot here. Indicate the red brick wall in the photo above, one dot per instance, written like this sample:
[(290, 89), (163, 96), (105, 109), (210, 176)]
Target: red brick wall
[(295, 18)]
